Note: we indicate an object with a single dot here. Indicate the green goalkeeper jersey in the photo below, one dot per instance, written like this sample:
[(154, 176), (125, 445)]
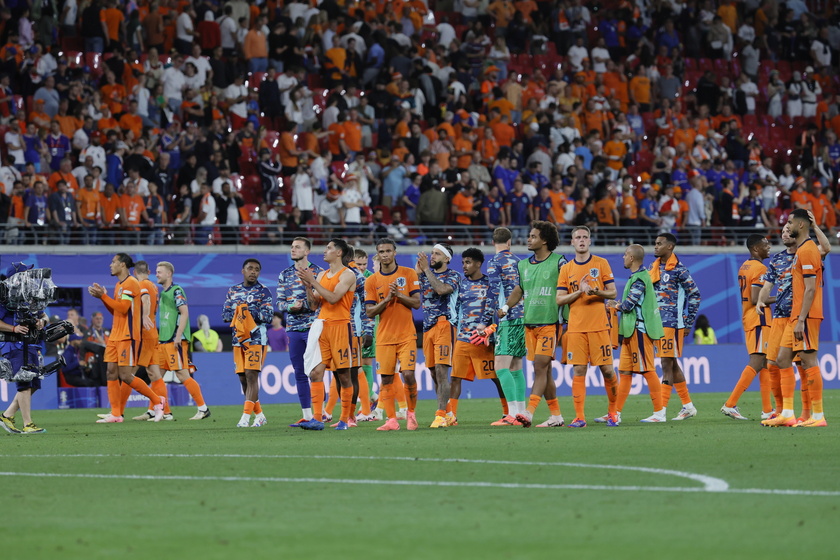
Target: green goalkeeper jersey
[(170, 300), (538, 280)]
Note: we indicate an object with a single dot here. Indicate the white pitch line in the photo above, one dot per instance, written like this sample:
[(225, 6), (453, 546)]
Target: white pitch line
[(710, 483), (426, 483)]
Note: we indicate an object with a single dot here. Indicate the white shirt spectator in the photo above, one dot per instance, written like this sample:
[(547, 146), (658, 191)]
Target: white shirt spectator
[(286, 82), (329, 117), (143, 96), (183, 24), (599, 52), (751, 91), (746, 33), (352, 215), (8, 176), (80, 173), (98, 155), (15, 139), (302, 196), (575, 55), (228, 27), (173, 83), (232, 92), (208, 207), (446, 33), (821, 52), (202, 65), (71, 10)]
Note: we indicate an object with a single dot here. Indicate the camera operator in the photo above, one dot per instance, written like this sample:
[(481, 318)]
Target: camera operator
[(74, 370), (13, 351)]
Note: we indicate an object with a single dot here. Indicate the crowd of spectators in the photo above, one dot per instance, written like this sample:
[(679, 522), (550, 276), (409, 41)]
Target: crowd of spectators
[(179, 121)]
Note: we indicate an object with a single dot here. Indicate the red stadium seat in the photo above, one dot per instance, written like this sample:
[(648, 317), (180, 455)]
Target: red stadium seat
[(94, 62), (74, 59), (252, 190)]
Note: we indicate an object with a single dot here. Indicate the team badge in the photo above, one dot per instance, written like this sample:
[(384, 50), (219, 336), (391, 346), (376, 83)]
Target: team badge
[(568, 356), (593, 272), (666, 277), (401, 282)]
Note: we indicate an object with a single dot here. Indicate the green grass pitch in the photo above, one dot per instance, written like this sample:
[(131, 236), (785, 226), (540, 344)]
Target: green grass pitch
[(208, 490)]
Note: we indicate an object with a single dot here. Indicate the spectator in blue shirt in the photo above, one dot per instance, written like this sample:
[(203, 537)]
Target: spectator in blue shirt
[(517, 208)]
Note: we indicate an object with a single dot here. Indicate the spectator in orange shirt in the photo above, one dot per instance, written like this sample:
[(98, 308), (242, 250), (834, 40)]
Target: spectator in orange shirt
[(69, 124), (463, 209), (110, 204), (90, 211), (352, 134), (64, 173), (131, 123), (107, 122), (616, 151), (503, 11), (134, 210), (113, 94), (503, 132), (255, 47), (799, 198), (640, 88), (820, 205), (488, 147), (464, 147), (113, 24)]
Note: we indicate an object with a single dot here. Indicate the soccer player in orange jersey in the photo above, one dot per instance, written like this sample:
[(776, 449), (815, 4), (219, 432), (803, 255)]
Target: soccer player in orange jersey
[(802, 332), (756, 327), (585, 284), (391, 294), (334, 290), (125, 337)]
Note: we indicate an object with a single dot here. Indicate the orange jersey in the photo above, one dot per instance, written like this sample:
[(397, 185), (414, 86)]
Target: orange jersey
[(147, 287), (396, 323), (749, 275), (587, 313), (558, 205), (88, 201), (807, 264), (604, 211), (337, 313), (127, 324), (629, 210)]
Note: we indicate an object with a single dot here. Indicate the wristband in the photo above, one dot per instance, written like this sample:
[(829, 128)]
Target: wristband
[(505, 308)]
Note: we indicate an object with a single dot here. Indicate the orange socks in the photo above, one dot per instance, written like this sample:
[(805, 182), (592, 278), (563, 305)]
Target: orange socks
[(386, 397), (815, 389), (114, 397), (682, 391), (655, 387), (248, 408), (195, 391), (505, 409), (317, 389), (411, 397), (364, 392), (140, 386), (579, 395), (666, 393), (764, 388), (533, 403), (453, 407), (553, 406), (125, 393), (611, 387), (743, 384), (257, 407), (398, 392), (788, 381), (346, 403), (624, 385), (776, 385), (440, 412), (334, 391), (159, 387)]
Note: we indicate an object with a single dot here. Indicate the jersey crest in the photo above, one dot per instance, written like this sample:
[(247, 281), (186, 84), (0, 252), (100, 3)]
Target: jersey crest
[(594, 272)]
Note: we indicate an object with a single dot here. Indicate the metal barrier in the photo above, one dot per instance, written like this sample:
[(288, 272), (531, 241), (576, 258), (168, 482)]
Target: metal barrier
[(270, 234)]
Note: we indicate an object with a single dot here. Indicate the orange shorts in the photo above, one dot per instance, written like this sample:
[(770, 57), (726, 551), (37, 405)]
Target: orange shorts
[(671, 345), (121, 352), (584, 348), (777, 329), (636, 353), (438, 344), (757, 339), (174, 357), (564, 340), (387, 356), (471, 361), (248, 357), (356, 351), (337, 342), (541, 340), (810, 338), (612, 314), (147, 352)]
